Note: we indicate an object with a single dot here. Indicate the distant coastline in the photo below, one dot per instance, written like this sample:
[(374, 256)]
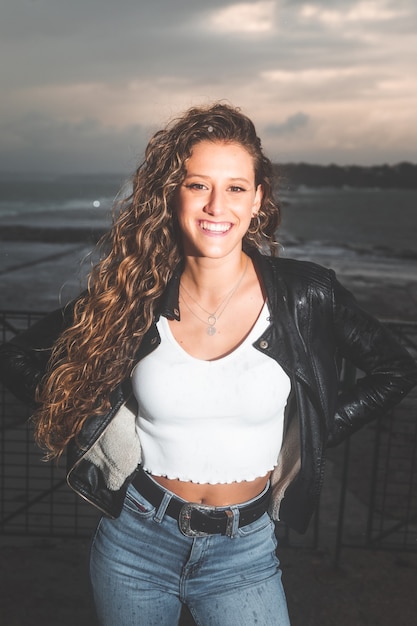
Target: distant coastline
[(290, 175), (400, 176)]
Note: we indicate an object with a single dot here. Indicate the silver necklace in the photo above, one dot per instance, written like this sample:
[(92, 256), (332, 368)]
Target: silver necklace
[(213, 318)]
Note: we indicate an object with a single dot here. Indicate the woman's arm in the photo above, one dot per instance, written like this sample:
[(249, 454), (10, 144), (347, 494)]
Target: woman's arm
[(390, 371)]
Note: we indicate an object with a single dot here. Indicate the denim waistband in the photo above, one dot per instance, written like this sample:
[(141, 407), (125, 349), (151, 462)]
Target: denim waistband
[(197, 519)]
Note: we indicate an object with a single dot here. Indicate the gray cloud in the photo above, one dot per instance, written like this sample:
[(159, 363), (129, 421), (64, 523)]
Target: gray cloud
[(84, 81), (46, 144), (291, 125)]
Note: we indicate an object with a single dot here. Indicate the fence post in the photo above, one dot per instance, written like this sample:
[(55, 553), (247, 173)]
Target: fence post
[(347, 379)]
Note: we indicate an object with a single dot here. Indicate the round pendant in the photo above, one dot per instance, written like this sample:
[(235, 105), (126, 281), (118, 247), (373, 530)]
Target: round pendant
[(212, 319), (211, 330)]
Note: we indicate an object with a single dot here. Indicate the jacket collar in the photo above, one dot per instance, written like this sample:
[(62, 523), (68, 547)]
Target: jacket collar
[(169, 306)]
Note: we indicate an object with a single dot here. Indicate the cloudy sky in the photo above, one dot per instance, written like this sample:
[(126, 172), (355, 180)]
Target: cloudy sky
[(85, 82)]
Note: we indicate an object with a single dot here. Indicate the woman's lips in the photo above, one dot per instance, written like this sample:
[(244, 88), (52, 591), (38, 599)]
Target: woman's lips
[(216, 228)]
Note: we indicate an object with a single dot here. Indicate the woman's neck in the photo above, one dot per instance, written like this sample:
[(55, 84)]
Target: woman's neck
[(209, 278)]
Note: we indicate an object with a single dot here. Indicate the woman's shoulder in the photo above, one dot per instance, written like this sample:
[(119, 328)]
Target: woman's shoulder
[(300, 271)]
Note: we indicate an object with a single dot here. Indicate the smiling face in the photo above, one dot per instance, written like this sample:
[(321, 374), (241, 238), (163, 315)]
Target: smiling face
[(217, 199)]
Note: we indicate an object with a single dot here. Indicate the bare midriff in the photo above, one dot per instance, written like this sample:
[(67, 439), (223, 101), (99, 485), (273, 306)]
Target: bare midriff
[(215, 495)]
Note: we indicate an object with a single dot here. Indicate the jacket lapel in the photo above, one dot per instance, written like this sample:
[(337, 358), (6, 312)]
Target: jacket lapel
[(285, 338)]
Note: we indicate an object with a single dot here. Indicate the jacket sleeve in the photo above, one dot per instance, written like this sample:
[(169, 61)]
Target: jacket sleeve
[(24, 359), (389, 370)]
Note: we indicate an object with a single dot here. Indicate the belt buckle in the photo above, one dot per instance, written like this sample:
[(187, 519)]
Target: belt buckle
[(184, 518)]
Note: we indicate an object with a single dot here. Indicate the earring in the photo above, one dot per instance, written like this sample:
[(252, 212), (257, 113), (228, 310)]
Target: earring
[(257, 228)]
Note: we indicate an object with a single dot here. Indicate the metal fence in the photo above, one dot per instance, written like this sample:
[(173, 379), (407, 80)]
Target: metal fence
[(34, 497), (378, 475), (373, 495)]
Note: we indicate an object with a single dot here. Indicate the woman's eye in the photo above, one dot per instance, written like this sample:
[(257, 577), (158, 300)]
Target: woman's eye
[(198, 186), (235, 188)]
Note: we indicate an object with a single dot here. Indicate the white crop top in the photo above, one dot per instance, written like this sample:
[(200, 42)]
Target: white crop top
[(211, 422)]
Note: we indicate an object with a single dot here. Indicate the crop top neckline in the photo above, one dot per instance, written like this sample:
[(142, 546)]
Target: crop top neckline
[(256, 330)]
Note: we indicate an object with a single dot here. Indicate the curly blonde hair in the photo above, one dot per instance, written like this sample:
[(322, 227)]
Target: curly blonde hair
[(143, 247)]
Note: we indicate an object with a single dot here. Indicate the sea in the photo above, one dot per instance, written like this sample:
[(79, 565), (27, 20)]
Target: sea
[(372, 232), (382, 220), (41, 194)]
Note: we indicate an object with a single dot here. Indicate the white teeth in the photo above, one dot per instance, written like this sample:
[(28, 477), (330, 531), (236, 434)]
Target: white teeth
[(216, 228)]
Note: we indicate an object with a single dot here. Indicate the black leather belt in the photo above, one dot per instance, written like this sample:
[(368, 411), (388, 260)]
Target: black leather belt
[(199, 520)]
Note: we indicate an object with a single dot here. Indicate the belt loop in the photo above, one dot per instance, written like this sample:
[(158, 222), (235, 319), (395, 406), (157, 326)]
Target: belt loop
[(233, 515), (159, 515)]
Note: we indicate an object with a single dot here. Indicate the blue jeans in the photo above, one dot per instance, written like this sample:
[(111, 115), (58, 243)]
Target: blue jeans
[(143, 569)]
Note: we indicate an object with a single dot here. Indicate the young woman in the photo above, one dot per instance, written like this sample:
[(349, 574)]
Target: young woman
[(195, 383)]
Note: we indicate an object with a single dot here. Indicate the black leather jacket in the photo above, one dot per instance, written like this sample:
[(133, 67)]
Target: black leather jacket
[(315, 323)]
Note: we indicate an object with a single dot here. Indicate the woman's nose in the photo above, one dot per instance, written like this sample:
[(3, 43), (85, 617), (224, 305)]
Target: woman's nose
[(215, 203)]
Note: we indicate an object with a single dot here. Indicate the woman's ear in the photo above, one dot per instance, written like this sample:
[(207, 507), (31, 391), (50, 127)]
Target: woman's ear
[(259, 194)]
